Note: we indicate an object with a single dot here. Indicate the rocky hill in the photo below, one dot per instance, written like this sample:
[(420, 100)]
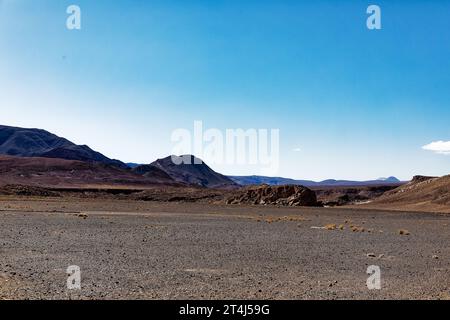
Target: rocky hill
[(421, 194), (192, 171)]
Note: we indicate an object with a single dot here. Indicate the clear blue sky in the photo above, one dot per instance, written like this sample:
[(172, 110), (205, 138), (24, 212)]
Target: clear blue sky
[(359, 104)]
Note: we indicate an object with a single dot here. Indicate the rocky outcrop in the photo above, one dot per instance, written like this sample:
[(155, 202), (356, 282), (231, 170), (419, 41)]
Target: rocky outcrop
[(21, 190), (288, 195), (193, 171), (419, 179)]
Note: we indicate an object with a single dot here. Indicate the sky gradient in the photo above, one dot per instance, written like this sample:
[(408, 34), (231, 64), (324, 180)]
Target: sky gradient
[(350, 103)]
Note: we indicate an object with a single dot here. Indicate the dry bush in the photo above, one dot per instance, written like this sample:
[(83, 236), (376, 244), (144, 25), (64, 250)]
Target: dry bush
[(358, 229)]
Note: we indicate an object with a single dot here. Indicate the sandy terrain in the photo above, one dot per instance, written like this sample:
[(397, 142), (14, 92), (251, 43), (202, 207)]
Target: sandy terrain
[(149, 250)]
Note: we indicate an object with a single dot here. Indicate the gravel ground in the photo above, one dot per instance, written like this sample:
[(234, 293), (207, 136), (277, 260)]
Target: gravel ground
[(145, 250)]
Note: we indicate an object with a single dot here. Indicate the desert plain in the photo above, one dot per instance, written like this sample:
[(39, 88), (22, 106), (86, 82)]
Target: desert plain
[(128, 249)]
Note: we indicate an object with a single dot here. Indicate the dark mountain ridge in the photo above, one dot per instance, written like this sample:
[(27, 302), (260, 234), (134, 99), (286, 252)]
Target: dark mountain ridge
[(23, 142)]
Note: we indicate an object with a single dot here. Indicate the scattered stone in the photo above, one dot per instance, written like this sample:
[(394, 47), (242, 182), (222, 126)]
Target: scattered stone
[(332, 283)]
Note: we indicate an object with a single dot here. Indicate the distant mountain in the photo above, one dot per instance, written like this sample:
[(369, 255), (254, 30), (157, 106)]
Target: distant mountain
[(23, 142), (390, 179), (275, 181), (195, 172)]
